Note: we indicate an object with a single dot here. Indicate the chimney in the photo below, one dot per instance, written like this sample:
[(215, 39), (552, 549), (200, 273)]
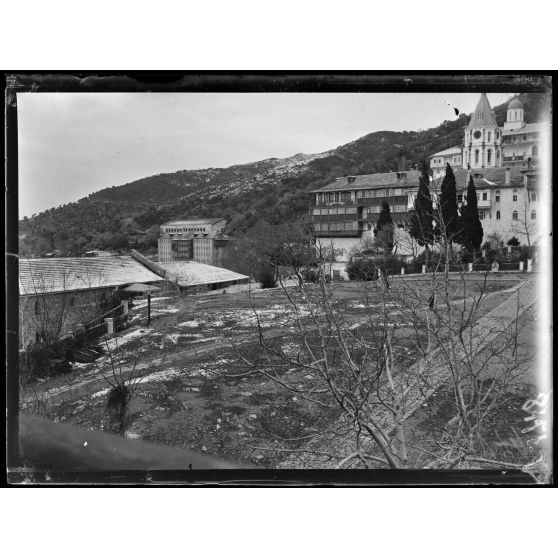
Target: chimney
[(508, 177), (401, 165)]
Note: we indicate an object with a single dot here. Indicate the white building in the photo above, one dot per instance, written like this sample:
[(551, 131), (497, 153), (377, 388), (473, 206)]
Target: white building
[(487, 145), (200, 240), (439, 160)]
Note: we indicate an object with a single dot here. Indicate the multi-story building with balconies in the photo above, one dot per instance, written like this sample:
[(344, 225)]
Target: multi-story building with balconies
[(200, 240), (345, 212)]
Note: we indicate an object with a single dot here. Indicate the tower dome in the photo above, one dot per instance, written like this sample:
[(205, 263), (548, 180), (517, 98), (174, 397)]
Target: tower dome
[(515, 104)]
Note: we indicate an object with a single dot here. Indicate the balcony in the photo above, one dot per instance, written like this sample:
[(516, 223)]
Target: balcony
[(484, 204), (338, 234)]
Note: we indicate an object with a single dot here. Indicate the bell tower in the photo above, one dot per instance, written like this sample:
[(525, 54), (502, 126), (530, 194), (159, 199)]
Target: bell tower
[(482, 138)]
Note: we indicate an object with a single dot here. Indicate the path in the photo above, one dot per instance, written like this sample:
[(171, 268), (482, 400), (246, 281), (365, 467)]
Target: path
[(417, 387)]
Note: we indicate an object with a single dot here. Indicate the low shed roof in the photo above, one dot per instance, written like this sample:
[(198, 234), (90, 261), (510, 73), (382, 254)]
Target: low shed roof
[(54, 275), (191, 273)]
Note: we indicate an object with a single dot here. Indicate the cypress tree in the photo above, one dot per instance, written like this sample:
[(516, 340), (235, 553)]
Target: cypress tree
[(448, 205), (421, 218), (471, 233), (385, 228)]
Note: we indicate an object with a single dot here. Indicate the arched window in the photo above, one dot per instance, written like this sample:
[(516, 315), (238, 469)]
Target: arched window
[(488, 139), (514, 216), (476, 156), (489, 156), (497, 215)]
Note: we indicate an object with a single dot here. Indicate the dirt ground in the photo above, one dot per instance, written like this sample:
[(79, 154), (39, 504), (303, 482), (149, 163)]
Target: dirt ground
[(196, 393)]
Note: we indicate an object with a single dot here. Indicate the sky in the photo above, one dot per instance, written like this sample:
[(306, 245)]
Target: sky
[(74, 144)]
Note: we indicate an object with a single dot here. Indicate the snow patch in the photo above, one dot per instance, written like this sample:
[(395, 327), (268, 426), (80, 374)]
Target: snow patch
[(190, 323), (120, 340)]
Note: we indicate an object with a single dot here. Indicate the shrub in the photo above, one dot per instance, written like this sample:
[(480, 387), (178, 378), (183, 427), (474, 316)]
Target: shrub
[(362, 270), (266, 277)]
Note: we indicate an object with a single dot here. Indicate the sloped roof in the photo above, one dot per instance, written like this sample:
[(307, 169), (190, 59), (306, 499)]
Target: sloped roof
[(409, 179), (491, 178), (527, 128), (186, 222), (450, 151), (53, 275), (483, 115), (191, 273)]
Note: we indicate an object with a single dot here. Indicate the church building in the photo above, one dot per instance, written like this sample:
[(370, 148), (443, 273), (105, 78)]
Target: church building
[(487, 145)]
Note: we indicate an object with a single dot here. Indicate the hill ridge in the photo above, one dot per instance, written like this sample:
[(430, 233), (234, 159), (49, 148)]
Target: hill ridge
[(274, 190)]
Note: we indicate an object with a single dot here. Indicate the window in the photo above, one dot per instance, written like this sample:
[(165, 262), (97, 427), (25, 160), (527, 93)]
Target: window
[(533, 196), (533, 215), (476, 156), (316, 212), (36, 308), (37, 337), (488, 139), (488, 156), (497, 196), (498, 215), (459, 198), (484, 196), (360, 194), (514, 197), (481, 215), (514, 215), (72, 301)]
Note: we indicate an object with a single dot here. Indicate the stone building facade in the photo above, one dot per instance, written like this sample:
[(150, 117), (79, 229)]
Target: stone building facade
[(200, 240)]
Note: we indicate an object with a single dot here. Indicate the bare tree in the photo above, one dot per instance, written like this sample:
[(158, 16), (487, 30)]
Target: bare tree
[(524, 224), (362, 380)]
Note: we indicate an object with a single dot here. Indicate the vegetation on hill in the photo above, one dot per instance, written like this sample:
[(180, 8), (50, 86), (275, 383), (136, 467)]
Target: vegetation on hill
[(274, 191)]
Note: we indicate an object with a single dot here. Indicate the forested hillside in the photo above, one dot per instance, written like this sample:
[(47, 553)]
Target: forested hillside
[(273, 190)]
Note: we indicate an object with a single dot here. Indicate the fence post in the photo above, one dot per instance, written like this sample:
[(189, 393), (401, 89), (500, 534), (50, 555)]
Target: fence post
[(520, 266), (110, 325), (402, 271), (470, 267), (529, 265), (495, 266), (424, 268)]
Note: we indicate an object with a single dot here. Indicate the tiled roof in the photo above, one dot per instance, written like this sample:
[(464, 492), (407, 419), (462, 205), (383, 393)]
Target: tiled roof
[(193, 273), (373, 181), (450, 151), (186, 222), (491, 178), (52, 275), (532, 127), (483, 115)]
